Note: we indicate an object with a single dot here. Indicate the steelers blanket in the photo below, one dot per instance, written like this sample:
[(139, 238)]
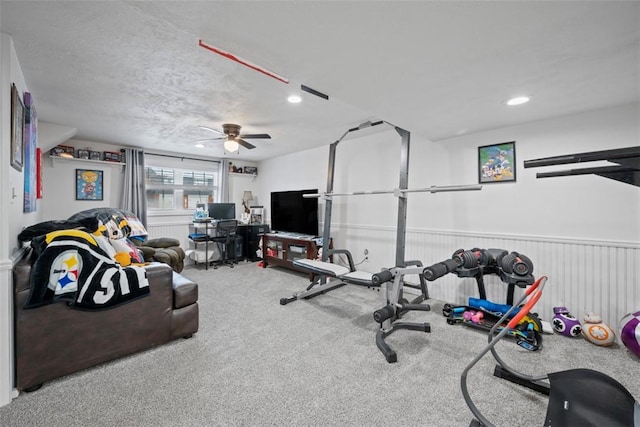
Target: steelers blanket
[(71, 267)]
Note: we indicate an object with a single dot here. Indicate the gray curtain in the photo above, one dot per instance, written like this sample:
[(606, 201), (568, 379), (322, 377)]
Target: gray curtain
[(134, 197), (224, 181)]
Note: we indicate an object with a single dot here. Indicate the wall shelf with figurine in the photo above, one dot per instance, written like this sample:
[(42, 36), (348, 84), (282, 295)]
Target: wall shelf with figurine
[(65, 153), (237, 170), (75, 159)]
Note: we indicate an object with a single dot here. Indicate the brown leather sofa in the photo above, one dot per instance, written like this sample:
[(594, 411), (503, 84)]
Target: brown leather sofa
[(56, 340)]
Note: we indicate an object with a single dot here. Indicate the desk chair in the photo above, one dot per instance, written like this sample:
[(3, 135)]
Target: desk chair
[(225, 239)]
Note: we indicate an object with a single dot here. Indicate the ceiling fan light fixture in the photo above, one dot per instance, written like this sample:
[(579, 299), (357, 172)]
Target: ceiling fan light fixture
[(518, 100), (294, 99), (231, 145)]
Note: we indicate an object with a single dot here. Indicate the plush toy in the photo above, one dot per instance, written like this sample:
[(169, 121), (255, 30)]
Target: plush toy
[(564, 323), (114, 226), (105, 244), (597, 332), (630, 332), (126, 252)]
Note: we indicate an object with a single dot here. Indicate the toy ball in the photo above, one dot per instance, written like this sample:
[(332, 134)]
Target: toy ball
[(630, 332), (564, 323), (597, 332)]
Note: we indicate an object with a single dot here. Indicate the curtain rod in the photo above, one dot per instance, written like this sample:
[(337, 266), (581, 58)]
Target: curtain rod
[(181, 157)]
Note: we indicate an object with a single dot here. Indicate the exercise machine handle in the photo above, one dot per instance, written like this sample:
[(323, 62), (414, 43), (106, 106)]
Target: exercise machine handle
[(379, 278), (534, 292), (439, 269)]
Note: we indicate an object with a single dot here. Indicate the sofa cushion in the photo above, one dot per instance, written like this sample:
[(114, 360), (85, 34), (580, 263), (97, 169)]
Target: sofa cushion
[(162, 242)]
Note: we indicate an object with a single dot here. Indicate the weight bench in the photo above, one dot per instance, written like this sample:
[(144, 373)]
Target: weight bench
[(390, 281), (339, 275)]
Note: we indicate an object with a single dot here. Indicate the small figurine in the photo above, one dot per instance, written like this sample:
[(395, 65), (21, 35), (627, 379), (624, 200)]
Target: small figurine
[(564, 323), (597, 332)]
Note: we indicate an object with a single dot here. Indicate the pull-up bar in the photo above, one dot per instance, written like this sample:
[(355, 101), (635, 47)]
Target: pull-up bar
[(399, 192)]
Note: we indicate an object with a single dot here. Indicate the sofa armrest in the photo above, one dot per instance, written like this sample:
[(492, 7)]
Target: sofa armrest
[(185, 292)]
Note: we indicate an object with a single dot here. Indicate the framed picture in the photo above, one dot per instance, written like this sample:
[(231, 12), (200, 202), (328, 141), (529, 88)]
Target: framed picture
[(30, 154), (62, 150), (89, 184), (497, 163), (17, 127), (95, 155), (253, 170), (83, 154), (111, 156), (256, 214)]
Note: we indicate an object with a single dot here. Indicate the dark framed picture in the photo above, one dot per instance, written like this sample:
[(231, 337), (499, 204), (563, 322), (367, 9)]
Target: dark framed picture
[(17, 128), (83, 154), (95, 155), (497, 163), (253, 170), (62, 151), (111, 156), (89, 184)]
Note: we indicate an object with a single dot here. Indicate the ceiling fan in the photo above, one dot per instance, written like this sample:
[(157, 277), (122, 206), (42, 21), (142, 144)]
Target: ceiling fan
[(233, 138)]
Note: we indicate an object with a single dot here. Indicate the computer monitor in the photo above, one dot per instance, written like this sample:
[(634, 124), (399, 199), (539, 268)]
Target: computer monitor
[(222, 210)]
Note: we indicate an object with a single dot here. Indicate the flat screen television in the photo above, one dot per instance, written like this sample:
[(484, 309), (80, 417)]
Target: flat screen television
[(292, 213), (222, 210)]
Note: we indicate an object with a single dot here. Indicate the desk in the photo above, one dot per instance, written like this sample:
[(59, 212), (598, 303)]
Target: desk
[(251, 235), (246, 242)]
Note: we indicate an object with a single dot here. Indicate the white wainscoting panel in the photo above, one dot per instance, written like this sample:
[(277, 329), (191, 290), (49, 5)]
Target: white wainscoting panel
[(585, 276), (176, 230)]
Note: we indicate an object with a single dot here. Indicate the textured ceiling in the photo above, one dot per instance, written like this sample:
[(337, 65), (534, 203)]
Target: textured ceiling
[(132, 73)]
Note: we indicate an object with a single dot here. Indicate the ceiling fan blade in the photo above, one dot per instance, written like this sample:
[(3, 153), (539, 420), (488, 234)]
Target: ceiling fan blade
[(256, 136), (210, 139), (245, 144), (211, 129)]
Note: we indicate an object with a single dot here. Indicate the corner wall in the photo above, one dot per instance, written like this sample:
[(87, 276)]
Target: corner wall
[(582, 230)]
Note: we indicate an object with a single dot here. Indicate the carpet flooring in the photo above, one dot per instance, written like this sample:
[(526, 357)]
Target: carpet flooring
[(312, 362)]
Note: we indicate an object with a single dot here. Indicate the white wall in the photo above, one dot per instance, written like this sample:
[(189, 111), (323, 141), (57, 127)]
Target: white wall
[(59, 179), (296, 171), (583, 230), (11, 217), (581, 207)]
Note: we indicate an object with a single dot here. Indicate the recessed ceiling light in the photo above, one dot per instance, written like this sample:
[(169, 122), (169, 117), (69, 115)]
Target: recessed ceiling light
[(294, 99), (518, 100), (199, 145)]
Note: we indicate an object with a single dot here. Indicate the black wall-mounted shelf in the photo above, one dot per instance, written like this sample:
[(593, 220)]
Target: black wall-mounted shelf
[(626, 166)]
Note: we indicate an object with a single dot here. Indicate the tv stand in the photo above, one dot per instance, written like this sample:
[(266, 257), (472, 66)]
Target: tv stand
[(282, 249)]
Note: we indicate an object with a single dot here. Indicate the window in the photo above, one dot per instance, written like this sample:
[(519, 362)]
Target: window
[(179, 184)]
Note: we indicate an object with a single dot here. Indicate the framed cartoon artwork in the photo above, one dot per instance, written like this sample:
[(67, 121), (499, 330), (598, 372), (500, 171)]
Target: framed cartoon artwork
[(89, 184), (17, 127), (497, 163)]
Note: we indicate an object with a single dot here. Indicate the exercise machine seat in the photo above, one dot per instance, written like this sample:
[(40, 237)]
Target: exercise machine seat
[(330, 269)]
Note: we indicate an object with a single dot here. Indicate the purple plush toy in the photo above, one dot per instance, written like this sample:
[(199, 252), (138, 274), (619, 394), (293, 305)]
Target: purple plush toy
[(630, 332), (564, 323)]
